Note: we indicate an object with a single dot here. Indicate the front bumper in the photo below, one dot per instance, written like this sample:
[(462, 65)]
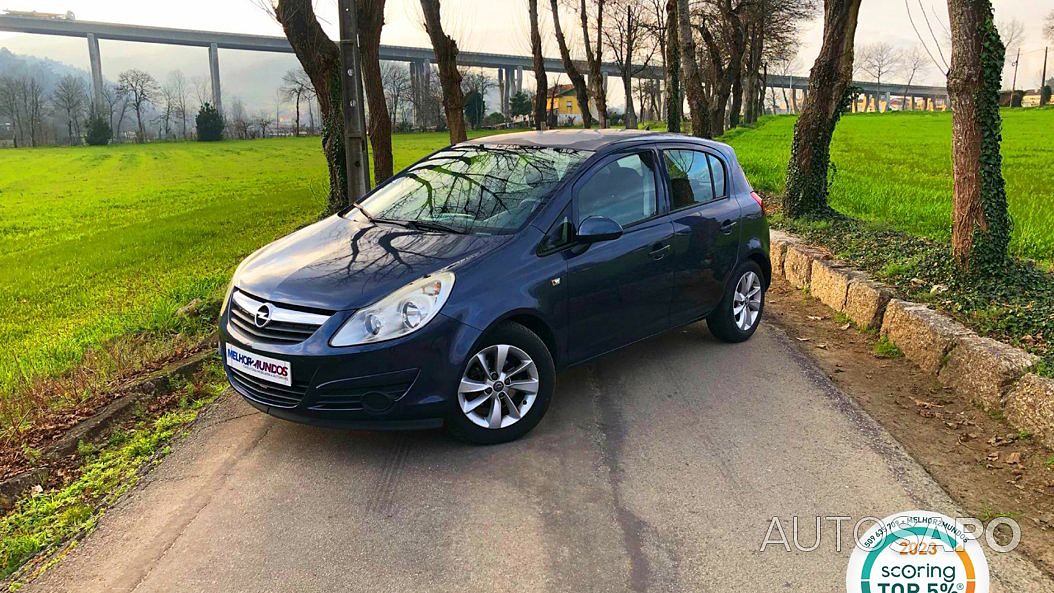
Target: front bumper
[(405, 383)]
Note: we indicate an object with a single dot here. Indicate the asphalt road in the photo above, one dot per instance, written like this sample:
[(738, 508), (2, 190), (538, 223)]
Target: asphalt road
[(658, 468)]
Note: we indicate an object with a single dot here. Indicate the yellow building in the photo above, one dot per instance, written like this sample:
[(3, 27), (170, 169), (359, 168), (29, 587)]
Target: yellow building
[(563, 102)]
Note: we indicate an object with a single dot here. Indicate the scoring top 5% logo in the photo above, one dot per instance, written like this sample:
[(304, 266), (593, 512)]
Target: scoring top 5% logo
[(917, 552)]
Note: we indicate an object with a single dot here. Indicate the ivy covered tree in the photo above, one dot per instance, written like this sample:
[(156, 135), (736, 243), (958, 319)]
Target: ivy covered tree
[(210, 123), (829, 94), (981, 222)]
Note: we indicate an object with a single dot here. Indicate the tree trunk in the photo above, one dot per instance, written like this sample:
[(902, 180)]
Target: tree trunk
[(693, 80), (981, 223), (576, 77), (542, 87), (724, 74), (593, 60), (379, 126), (736, 108), (674, 100), (806, 192), (320, 57), (449, 78), (630, 118), (752, 64)]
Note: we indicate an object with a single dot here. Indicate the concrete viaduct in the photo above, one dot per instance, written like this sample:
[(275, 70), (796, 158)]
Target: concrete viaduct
[(510, 67)]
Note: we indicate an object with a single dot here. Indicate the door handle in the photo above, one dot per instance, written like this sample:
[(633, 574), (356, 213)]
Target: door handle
[(727, 226), (659, 250)]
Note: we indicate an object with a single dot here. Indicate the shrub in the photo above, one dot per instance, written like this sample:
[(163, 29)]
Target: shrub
[(210, 124), (97, 131), (494, 119)]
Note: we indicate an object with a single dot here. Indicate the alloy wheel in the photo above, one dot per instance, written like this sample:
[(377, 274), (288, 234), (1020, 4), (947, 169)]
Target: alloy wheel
[(746, 302), (499, 386)]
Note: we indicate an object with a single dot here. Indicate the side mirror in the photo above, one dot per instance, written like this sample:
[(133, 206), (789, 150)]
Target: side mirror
[(598, 228)]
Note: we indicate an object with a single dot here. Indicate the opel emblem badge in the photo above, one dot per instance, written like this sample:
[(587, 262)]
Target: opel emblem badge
[(263, 315)]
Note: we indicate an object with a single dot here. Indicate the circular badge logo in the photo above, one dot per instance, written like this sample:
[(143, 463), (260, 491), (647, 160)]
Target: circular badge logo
[(917, 552)]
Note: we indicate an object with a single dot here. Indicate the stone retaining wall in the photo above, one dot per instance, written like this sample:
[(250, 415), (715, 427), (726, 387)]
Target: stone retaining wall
[(991, 374)]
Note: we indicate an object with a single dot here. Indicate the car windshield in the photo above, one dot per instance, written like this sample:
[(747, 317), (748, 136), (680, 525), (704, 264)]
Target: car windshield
[(487, 189)]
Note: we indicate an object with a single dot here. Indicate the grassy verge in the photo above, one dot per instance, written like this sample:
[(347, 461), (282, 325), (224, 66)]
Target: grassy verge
[(42, 524), (895, 169), (101, 243), (1017, 308)]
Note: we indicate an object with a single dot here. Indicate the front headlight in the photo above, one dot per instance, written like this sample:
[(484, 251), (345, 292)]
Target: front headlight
[(404, 311)]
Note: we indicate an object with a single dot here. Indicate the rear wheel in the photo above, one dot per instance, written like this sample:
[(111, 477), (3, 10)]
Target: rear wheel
[(505, 387), (737, 316)]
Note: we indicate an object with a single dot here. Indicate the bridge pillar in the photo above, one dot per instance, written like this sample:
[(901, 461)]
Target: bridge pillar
[(214, 70), (885, 108), (519, 79), (95, 59)]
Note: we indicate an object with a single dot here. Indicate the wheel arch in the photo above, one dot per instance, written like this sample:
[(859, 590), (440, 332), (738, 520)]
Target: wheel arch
[(533, 321)]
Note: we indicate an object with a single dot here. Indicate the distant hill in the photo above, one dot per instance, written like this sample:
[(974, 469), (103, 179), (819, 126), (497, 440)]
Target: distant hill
[(47, 71)]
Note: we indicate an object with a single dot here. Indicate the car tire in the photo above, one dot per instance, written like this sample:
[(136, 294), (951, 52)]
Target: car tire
[(730, 322), (519, 345)]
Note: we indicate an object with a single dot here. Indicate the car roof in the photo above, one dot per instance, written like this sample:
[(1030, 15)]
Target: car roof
[(594, 140)]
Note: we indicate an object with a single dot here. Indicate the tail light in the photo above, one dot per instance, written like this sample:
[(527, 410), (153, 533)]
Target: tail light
[(758, 199)]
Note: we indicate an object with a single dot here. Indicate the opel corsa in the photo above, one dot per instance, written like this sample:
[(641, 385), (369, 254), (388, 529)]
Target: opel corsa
[(454, 291)]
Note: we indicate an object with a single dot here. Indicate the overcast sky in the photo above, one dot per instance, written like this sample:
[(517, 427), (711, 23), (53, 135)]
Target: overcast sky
[(485, 25)]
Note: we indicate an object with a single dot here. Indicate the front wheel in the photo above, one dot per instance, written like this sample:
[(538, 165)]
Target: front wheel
[(738, 314), (505, 387)]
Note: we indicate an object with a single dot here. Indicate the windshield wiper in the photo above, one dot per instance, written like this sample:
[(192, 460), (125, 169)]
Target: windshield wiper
[(435, 226)]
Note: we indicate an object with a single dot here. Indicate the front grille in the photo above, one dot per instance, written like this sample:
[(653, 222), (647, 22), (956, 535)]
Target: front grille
[(351, 398), (265, 392), (284, 326)]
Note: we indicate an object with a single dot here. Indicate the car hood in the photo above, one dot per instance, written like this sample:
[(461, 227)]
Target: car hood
[(338, 264)]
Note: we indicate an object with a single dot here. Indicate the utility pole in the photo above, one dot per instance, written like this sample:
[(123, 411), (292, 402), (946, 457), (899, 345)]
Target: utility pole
[(1013, 86), (1043, 81), (357, 155)]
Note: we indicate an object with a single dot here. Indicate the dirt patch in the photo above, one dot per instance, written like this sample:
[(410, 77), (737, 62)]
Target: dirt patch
[(25, 449), (986, 466)]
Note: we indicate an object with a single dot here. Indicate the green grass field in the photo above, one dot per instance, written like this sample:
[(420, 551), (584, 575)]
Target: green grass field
[(896, 168), (102, 242)]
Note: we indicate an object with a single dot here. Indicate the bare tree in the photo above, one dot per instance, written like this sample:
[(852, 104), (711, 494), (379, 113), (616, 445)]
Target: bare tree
[(262, 121), (395, 78), (379, 125), (71, 97), (9, 106), (624, 37), (806, 189), (538, 61), (296, 87), (595, 56), (165, 108), (117, 106), (577, 80), (140, 90), (913, 61), (879, 59), (178, 91), (445, 49), (725, 40), (693, 78), (1048, 27), (33, 103), (239, 124), (981, 221)]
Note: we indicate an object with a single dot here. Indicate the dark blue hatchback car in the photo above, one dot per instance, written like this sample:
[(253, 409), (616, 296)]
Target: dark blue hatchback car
[(454, 291)]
